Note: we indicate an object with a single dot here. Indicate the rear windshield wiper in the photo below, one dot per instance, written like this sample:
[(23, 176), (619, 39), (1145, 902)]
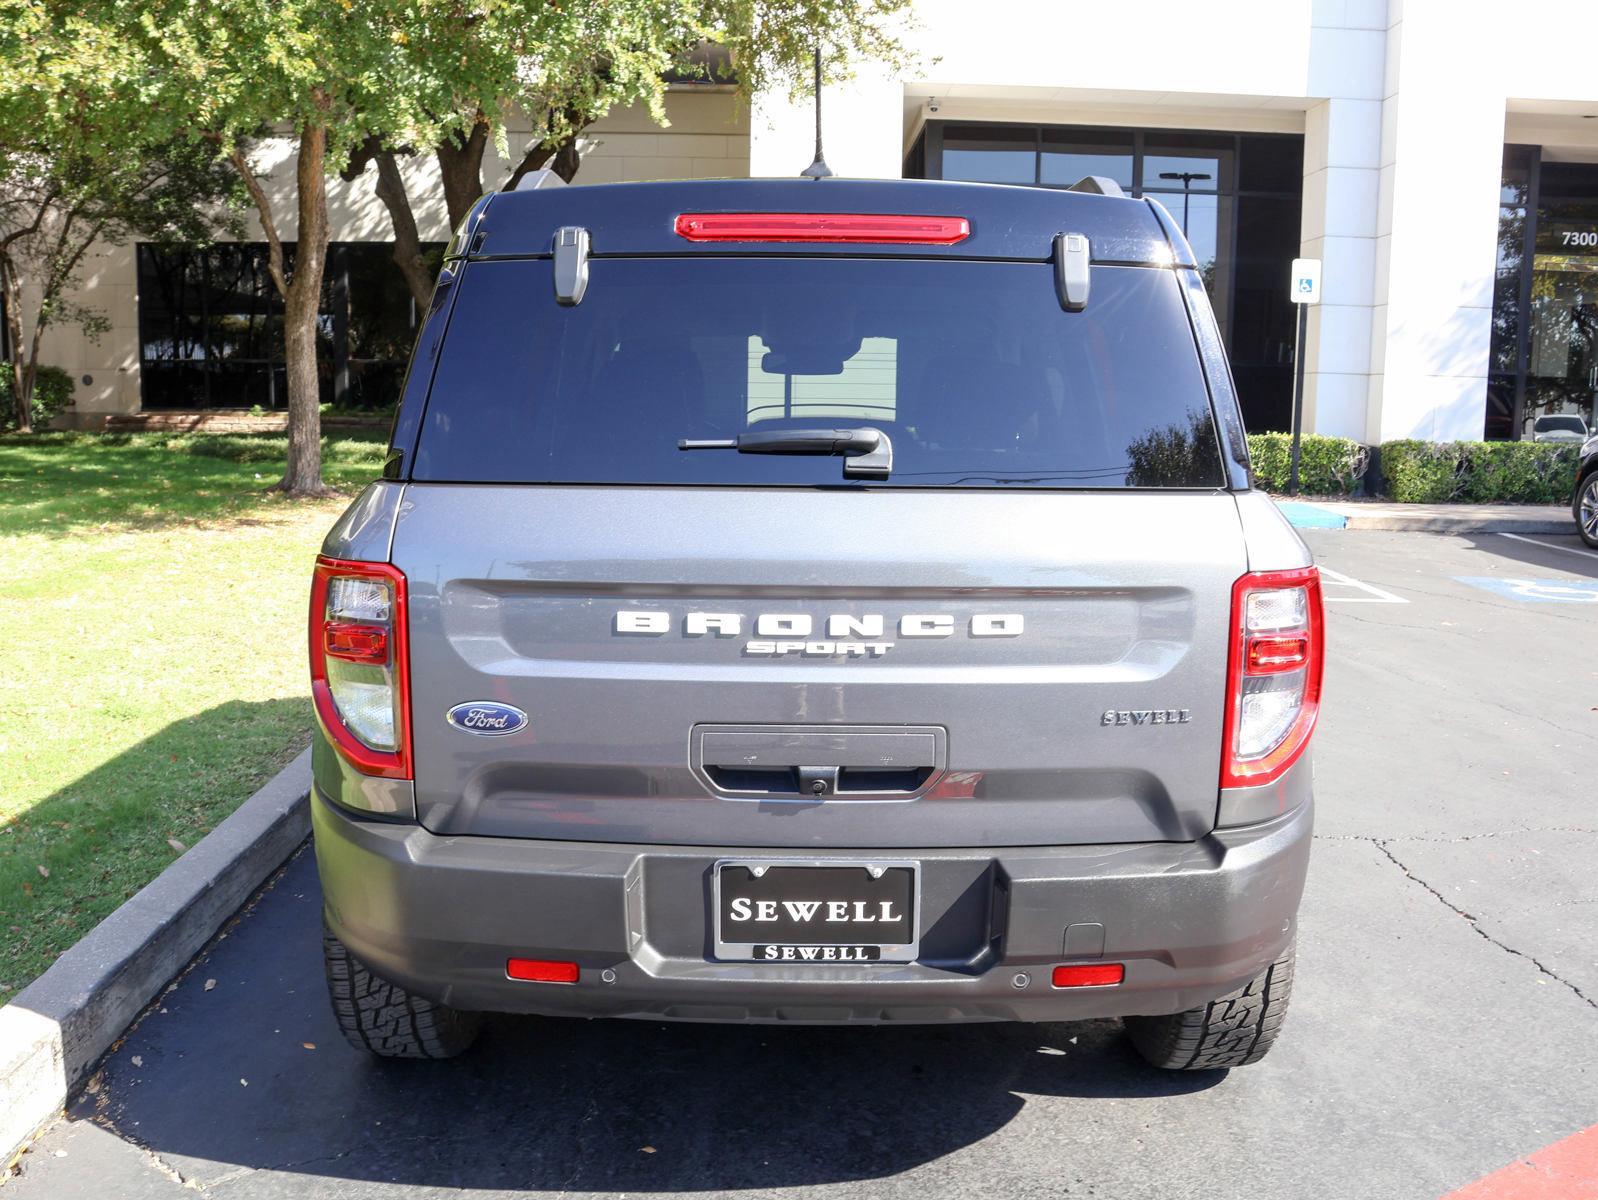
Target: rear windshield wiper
[(867, 452)]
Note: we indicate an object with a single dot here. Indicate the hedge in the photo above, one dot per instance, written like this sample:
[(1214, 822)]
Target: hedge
[(1479, 472), (52, 391), (1328, 466)]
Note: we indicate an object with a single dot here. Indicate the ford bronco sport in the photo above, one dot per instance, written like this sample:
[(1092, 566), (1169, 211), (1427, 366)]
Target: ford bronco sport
[(815, 602)]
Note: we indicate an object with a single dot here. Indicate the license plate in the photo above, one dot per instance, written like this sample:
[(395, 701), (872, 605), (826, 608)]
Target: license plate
[(776, 911)]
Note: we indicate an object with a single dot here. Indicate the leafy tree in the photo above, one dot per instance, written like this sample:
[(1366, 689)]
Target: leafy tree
[(225, 73), (55, 205), (566, 66), (345, 79), (76, 169)]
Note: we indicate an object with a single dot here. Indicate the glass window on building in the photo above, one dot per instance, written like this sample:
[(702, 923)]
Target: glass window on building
[(992, 154), (1069, 155), (1237, 197), (211, 327), (1544, 356)]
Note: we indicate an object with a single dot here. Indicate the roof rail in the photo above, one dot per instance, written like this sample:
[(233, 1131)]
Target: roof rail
[(1096, 185), (534, 180)]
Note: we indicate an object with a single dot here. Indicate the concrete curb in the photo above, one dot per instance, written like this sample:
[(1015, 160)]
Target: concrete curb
[(57, 1028), (1464, 523), (1428, 518)]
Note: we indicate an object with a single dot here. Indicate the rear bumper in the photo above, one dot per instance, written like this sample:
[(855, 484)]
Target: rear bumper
[(440, 915)]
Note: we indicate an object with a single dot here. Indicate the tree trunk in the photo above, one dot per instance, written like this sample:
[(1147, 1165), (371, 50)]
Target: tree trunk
[(30, 373), (462, 170), (21, 379), (301, 300), (566, 162), (407, 241), (562, 159)]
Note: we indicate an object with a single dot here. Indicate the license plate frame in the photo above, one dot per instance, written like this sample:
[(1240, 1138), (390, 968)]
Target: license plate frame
[(736, 950)]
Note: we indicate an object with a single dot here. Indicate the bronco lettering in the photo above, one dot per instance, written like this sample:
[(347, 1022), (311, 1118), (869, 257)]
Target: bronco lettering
[(780, 634)]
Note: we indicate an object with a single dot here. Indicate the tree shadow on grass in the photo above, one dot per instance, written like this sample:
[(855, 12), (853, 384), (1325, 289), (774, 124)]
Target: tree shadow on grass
[(60, 484), (105, 835)]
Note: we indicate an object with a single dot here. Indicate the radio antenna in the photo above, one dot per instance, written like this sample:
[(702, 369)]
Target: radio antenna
[(818, 169)]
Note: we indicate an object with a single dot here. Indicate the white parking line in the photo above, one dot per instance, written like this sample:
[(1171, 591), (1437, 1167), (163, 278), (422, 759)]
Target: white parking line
[(1375, 596), (1546, 545)]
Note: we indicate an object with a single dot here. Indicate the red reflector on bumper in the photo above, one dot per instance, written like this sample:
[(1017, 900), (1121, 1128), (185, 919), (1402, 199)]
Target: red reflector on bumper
[(882, 228), (1089, 975), (538, 970)]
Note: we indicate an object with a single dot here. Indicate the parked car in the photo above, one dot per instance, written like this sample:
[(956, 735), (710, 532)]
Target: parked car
[(1584, 506), (797, 601), (1559, 427)]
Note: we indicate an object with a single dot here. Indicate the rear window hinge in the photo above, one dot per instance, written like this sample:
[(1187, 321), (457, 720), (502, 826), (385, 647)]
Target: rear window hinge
[(1071, 270), (571, 264)]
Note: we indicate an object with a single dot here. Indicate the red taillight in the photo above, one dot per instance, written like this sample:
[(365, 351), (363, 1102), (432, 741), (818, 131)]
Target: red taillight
[(539, 970), (1267, 655), (356, 643), (360, 668), (881, 228), (1089, 975), (1273, 678)]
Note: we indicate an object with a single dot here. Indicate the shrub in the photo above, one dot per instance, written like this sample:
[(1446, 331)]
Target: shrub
[(52, 391), (1421, 472), (1479, 472), (1520, 472), (1327, 466)]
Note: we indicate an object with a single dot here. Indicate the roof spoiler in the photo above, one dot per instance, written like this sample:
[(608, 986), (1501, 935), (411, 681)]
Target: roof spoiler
[(534, 180), (1097, 185)]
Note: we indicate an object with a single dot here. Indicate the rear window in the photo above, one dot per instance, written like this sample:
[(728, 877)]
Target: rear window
[(972, 369), (1561, 424)]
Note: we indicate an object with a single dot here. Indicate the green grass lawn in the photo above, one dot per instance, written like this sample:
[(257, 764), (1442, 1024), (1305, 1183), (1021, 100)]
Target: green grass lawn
[(152, 668)]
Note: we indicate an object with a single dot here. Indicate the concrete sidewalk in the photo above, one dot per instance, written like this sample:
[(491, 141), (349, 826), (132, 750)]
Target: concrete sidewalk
[(1428, 518)]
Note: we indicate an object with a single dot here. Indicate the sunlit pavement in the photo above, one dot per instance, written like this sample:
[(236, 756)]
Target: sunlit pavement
[(1445, 1023)]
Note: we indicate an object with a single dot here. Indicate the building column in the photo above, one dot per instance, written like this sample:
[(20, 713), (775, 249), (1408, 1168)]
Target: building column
[(862, 127), (1437, 228), (1342, 154), (1342, 144)]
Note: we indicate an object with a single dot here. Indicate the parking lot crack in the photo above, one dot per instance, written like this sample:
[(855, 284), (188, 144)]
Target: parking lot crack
[(289, 1165), (165, 1169), (1448, 841), (1382, 845)]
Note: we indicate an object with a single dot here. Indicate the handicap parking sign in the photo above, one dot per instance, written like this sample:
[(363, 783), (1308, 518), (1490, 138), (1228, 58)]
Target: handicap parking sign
[(1306, 281), (1547, 591)]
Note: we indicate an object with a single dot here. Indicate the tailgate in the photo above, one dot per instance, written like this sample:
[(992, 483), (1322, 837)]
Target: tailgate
[(954, 668)]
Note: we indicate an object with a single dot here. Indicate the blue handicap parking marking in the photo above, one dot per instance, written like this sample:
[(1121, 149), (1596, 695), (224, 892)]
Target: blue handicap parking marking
[(1549, 591), (1311, 516)]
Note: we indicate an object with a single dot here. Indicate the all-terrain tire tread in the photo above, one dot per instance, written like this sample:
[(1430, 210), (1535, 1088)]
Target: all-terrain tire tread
[(384, 1019), (1233, 1031)]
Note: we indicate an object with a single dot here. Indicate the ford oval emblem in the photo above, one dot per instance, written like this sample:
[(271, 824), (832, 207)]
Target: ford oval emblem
[(487, 717)]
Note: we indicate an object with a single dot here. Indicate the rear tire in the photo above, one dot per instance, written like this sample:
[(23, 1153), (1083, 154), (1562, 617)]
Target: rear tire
[(1585, 509), (1233, 1031), (384, 1019)]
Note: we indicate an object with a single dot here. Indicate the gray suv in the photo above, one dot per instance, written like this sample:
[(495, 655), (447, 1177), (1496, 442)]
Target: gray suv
[(815, 601)]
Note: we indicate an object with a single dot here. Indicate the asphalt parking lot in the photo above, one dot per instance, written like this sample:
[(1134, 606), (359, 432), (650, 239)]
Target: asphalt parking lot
[(1445, 1021)]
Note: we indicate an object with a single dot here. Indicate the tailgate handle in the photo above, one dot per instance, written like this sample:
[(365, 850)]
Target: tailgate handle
[(799, 783), (798, 763)]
